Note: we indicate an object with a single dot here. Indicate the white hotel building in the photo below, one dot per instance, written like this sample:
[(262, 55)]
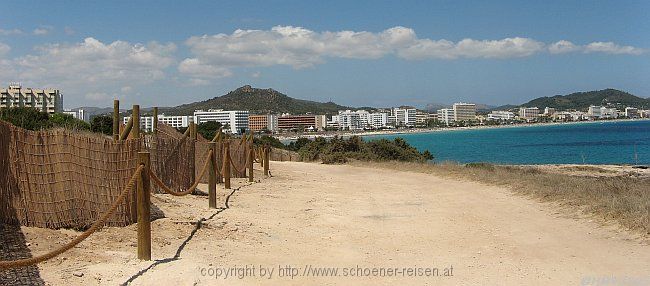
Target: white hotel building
[(176, 121), (501, 115), (459, 112), (236, 120), (358, 120)]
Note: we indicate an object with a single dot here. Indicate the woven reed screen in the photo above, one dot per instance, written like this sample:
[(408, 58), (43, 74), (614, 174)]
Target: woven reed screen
[(60, 178)]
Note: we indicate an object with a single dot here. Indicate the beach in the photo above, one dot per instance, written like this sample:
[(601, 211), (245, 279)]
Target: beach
[(310, 215), (288, 138)]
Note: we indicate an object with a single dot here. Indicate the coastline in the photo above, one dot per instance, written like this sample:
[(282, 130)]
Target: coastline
[(345, 134)]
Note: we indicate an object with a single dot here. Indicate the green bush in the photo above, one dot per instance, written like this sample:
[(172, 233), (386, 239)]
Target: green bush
[(339, 150), (26, 117), (299, 143), (265, 139), (102, 124), (32, 119), (208, 129), (68, 122)]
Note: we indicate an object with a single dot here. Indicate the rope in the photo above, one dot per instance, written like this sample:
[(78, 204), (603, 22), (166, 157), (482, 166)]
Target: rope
[(96, 226), (233, 164), (168, 190)]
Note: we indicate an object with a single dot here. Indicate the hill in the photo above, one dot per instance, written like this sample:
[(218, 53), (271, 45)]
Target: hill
[(257, 100), (582, 100)]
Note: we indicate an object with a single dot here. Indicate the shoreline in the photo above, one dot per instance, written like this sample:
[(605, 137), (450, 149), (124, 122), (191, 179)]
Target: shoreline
[(345, 134)]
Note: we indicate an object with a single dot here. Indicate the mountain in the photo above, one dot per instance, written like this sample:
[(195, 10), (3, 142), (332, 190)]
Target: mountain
[(433, 107), (257, 100), (582, 100)]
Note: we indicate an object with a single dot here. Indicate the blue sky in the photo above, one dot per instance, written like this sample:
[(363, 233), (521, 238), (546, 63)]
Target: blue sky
[(357, 53)]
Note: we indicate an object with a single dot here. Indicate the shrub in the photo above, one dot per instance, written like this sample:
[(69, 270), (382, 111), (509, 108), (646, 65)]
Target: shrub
[(68, 122), (102, 124), (338, 150), (208, 129), (26, 117), (272, 141)]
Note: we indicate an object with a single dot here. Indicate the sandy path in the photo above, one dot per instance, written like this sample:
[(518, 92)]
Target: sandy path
[(343, 216)]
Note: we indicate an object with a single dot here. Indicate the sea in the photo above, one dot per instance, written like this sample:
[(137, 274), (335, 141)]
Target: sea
[(599, 142)]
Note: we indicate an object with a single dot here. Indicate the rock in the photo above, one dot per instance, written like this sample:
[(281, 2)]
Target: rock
[(78, 274)]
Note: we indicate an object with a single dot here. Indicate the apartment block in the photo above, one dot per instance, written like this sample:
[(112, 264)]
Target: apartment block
[(146, 123), (304, 122), (501, 115), (464, 111), (265, 122), (234, 121), (446, 115), (46, 100), (80, 114), (176, 121), (529, 113)]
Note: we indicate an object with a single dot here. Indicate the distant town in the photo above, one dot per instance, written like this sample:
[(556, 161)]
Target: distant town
[(461, 114)]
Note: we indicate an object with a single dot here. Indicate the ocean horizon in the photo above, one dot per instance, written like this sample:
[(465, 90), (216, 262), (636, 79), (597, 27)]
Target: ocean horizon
[(599, 142)]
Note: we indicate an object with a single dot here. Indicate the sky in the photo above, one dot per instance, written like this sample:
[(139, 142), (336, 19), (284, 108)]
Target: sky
[(355, 53)]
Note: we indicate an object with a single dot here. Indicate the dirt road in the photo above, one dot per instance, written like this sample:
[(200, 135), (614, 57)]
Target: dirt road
[(371, 226)]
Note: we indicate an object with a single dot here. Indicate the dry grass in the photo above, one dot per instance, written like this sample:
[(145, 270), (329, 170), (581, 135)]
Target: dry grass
[(588, 169), (625, 200)]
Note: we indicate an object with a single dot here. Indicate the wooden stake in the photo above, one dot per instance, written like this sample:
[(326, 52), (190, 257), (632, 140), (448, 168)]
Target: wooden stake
[(116, 120), (136, 122), (226, 164), (144, 211), (267, 156), (212, 178), (251, 158), (127, 129), (192, 129), (155, 120)]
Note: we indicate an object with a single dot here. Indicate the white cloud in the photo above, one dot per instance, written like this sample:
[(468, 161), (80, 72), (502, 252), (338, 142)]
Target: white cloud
[(42, 30), (4, 49), (469, 48), (195, 68), (91, 67), (4, 32), (563, 46), (214, 56), (612, 48)]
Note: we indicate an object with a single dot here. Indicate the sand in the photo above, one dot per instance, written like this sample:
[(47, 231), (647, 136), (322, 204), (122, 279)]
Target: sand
[(313, 215)]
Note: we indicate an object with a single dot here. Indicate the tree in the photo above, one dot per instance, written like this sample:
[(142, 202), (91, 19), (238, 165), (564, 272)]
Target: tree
[(102, 124), (67, 121), (26, 117), (208, 129)]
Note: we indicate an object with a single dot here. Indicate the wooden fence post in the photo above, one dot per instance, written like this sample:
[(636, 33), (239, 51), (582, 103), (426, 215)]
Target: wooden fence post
[(136, 122), (192, 134), (212, 178), (116, 120), (267, 157), (251, 158), (155, 120), (226, 164), (144, 211)]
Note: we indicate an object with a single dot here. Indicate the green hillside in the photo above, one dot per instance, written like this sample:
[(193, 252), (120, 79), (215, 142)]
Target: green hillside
[(257, 100), (582, 100)]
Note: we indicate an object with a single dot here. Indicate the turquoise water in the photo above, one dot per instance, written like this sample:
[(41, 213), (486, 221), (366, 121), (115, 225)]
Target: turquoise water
[(590, 143)]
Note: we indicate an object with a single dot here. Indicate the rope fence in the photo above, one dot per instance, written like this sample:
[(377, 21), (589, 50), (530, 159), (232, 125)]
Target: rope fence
[(64, 179)]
